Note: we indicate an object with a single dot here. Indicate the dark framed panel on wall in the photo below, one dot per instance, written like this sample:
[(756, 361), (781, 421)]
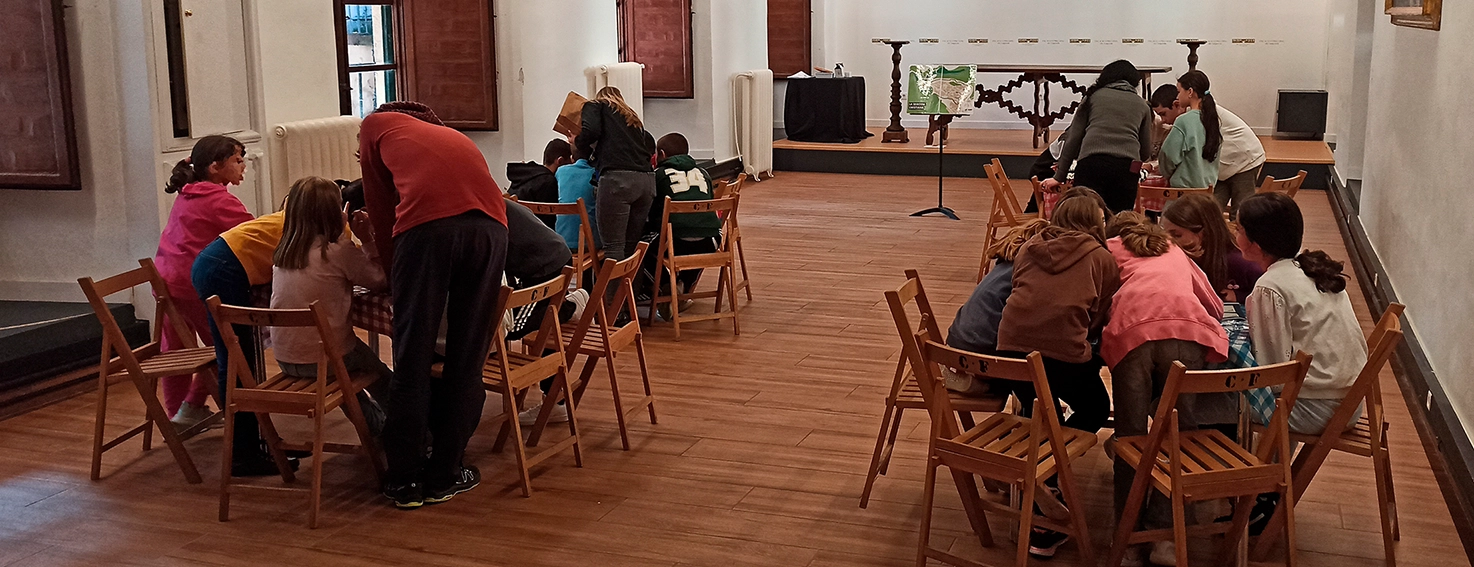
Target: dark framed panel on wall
[(657, 33), (1425, 14), (790, 37), (37, 78)]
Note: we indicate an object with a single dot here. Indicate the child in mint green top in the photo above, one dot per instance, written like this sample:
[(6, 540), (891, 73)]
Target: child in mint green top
[(1189, 156)]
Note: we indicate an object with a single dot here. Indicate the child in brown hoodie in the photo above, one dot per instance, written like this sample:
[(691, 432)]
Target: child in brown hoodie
[(1063, 280)]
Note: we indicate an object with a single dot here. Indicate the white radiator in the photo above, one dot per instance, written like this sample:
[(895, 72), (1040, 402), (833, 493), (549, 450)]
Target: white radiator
[(752, 121), (629, 78), (323, 147)]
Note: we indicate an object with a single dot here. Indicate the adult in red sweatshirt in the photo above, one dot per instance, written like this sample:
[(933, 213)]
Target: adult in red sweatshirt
[(441, 228)]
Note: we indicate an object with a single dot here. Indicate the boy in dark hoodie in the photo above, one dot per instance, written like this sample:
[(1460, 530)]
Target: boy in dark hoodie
[(536, 183), (679, 178)]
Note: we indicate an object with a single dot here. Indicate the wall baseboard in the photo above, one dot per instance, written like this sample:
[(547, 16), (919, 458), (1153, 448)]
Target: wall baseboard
[(1445, 440)]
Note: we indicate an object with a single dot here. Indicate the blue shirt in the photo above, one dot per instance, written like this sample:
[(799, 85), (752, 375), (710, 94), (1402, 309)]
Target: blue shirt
[(576, 181), (976, 326)]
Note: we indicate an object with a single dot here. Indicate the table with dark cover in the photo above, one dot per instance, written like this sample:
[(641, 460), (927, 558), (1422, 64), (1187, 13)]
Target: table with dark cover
[(825, 110)]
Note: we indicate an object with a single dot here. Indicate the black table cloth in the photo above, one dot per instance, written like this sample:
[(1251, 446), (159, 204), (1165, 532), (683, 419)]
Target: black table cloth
[(825, 110)]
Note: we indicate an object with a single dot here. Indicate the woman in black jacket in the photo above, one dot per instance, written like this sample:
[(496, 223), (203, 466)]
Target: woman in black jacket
[(625, 180), (1109, 138)]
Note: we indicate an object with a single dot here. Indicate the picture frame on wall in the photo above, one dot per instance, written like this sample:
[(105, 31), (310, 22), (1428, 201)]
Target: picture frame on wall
[(1423, 14)]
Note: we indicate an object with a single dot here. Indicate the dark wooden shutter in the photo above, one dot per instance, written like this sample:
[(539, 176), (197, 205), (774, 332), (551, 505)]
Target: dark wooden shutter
[(38, 140), (789, 33), (450, 60), (658, 34)]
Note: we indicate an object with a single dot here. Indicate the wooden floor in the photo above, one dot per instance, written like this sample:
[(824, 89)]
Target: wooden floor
[(970, 141), (758, 459)]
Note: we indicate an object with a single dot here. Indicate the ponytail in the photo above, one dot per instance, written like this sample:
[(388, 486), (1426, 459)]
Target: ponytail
[(1140, 236), (1197, 81), (1325, 272), (208, 151)]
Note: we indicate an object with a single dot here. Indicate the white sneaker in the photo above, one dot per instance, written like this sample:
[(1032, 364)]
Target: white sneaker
[(580, 299), (1164, 553), (528, 417), (189, 415)]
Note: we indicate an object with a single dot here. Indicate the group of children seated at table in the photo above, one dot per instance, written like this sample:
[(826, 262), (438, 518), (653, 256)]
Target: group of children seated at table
[(1088, 289), (211, 245)]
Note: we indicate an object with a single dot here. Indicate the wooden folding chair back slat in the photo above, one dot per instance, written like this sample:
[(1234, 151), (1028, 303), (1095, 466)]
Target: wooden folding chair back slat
[(143, 366), (1021, 452), (905, 393), (333, 387), (1006, 213), (1164, 194), (596, 336), (1190, 466), (723, 259), (1367, 437), (1287, 186), (512, 374), (733, 189), (587, 255)]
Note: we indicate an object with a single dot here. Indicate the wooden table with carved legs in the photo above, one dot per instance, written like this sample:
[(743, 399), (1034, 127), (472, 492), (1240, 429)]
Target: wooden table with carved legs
[(1042, 116)]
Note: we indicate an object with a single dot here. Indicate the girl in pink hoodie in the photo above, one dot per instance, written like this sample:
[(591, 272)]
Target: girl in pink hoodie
[(204, 209), (1166, 310)]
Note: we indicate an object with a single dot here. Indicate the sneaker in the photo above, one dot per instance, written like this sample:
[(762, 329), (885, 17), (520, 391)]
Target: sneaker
[(469, 477), (190, 415), (1164, 553), (528, 417), (1259, 515), (405, 496), (686, 304), (580, 300), (1043, 543)]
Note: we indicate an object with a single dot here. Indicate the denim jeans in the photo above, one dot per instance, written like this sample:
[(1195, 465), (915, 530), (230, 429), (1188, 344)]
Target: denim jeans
[(217, 272)]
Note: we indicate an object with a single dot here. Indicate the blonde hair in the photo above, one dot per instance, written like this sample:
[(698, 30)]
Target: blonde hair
[(1006, 249), (612, 97), (1140, 236), (314, 208)]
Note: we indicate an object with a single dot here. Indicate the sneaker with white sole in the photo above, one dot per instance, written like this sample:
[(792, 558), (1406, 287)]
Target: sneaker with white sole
[(528, 417), (189, 415), (1044, 543), (580, 300), (1163, 553)]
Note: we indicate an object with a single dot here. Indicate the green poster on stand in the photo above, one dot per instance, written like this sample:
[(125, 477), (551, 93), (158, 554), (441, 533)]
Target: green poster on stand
[(941, 89)]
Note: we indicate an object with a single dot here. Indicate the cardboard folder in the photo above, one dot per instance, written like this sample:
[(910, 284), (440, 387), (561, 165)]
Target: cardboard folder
[(570, 117)]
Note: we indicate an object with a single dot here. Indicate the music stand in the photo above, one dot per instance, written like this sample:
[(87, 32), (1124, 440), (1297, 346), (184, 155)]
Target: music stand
[(942, 120)]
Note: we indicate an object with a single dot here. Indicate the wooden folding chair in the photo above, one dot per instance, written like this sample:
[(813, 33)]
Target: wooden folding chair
[(1287, 186), (313, 398), (512, 374), (596, 336), (1155, 198), (733, 189), (1368, 438), (1189, 466), (723, 259), (1005, 215), (587, 256), (1016, 451), (144, 366), (905, 394)]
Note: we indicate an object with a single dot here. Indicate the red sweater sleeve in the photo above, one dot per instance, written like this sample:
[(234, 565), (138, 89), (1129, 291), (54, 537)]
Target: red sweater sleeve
[(379, 194)]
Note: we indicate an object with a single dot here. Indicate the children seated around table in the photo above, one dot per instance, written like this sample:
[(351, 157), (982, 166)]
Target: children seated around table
[(1300, 303), (537, 182), (536, 254), (576, 181), (679, 178), (1063, 281), (1195, 223), (1164, 312), (1189, 156), (317, 261), (204, 209), (1239, 160), (975, 328)]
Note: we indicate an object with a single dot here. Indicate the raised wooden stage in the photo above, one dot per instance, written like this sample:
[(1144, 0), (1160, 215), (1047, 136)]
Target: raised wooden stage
[(1012, 147)]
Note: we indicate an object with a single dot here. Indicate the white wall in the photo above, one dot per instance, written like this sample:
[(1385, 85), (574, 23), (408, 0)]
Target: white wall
[(1289, 52), (298, 55), (1415, 199)]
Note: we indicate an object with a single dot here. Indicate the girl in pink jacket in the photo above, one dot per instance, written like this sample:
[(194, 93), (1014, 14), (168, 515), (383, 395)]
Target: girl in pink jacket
[(204, 209)]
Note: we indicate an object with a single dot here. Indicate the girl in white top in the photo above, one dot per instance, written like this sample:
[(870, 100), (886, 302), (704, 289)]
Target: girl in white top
[(317, 261), (1300, 303)]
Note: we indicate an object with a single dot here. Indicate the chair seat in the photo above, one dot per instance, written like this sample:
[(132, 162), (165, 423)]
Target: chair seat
[(287, 394), (1356, 440), (525, 369), (174, 362), (1208, 456), (910, 398), (1011, 436), (1018, 219), (593, 341), (710, 260)]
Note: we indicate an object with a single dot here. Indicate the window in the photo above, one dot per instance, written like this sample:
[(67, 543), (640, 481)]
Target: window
[(1426, 14), (657, 33), (789, 37), (368, 64)]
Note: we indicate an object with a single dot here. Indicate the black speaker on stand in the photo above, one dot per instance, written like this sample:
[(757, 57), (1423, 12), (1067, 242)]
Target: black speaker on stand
[(1301, 115)]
